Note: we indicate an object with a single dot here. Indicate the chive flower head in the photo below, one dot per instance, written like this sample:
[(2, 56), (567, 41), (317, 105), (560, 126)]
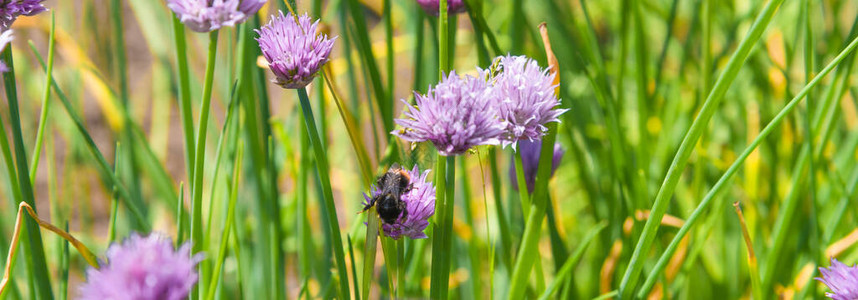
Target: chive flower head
[(143, 268), (530, 151), (432, 7), (11, 9), (210, 15), (525, 97), (455, 115), (841, 279), (419, 206), (294, 50)]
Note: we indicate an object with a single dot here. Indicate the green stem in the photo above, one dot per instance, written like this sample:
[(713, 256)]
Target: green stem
[(528, 251), (324, 178), (631, 276), (185, 110), (36, 263), (43, 117), (438, 233), (114, 199), (230, 218), (523, 192), (443, 39), (449, 207), (722, 182), (370, 251), (197, 245)]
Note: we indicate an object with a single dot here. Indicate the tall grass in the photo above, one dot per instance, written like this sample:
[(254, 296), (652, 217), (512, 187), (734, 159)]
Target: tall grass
[(677, 108)]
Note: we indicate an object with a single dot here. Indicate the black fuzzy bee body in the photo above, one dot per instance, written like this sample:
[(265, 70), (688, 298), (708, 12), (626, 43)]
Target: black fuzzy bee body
[(393, 184)]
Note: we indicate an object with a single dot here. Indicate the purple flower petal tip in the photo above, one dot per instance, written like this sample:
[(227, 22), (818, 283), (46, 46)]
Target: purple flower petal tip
[(841, 279)]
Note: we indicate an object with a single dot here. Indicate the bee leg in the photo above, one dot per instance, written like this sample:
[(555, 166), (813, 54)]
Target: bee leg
[(367, 206)]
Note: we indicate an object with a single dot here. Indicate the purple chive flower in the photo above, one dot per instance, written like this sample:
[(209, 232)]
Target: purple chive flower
[(525, 99), (432, 7), (143, 268), (11, 9), (841, 279), (209, 15), (530, 161), (295, 52), (419, 204), (455, 116), (5, 38)]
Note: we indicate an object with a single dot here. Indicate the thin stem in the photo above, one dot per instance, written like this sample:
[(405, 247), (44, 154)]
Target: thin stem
[(43, 117), (370, 251), (528, 252), (438, 233), (114, 199), (230, 218), (521, 181), (36, 263), (443, 39), (197, 244), (184, 98), (324, 178)]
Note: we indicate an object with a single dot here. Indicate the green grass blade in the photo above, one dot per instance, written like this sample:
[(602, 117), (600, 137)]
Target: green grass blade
[(108, 177), (43, 117), (36, 263), (370, 252), (734, 168), (631, 276), (566, 271), (230, 218), (324, 178), (197, 244)]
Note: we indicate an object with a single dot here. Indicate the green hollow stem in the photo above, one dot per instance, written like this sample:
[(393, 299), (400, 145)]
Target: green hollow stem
[(197, 244), (449, 207), (33, 246), (43, 117), (327, 192), (722, 182), (370, 251), (443, 38), (230, 218), (528, 251), (438, 233), (185, 110), (662, 200), (522, 183)]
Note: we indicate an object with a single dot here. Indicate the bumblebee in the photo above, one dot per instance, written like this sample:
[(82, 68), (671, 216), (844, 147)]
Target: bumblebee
[(393, 184)]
